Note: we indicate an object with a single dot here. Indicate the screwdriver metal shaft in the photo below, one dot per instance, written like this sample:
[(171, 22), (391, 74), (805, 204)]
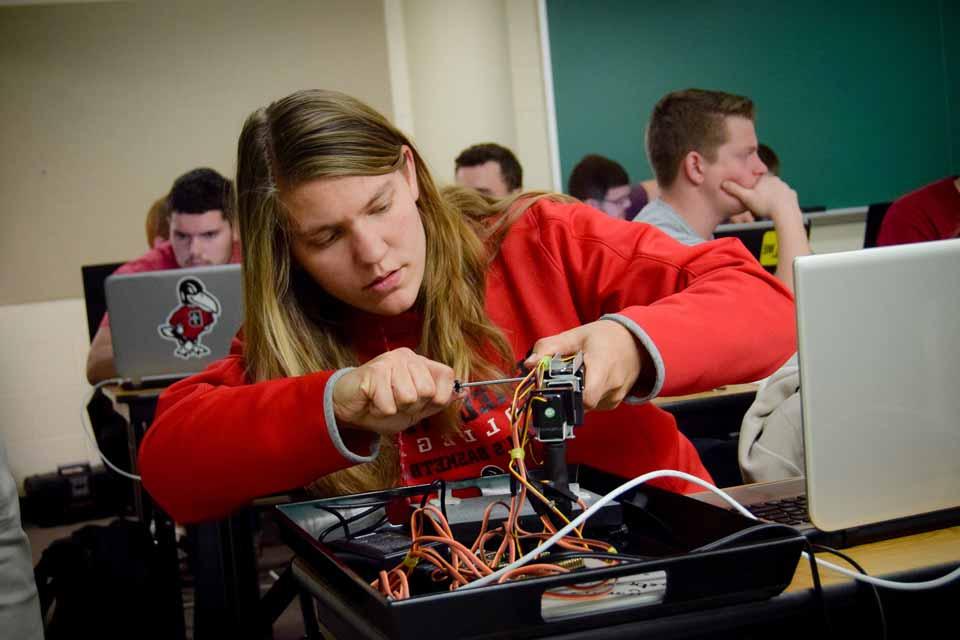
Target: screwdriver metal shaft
[(457, 385)]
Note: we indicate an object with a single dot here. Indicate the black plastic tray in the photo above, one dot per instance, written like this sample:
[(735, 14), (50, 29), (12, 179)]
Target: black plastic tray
[(669, 526)]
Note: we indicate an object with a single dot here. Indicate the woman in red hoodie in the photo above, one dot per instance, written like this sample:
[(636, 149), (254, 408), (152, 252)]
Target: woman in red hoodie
[(368, 292)]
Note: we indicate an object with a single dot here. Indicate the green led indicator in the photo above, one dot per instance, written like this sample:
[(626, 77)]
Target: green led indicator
[(550, 412)]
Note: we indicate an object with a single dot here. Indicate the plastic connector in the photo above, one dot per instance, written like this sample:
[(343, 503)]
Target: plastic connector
[(558, 403)]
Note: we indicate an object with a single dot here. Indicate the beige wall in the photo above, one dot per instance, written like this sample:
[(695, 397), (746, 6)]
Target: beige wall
[(102, 105), (42, 386), (471, 72), (829, 238), (529, 97), (459, 71)]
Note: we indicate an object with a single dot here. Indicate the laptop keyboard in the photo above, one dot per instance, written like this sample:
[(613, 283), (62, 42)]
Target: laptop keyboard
[(792, 511)]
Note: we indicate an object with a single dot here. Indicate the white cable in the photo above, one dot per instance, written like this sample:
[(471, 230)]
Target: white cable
[(88, 428), (891, 584), (669, 473)]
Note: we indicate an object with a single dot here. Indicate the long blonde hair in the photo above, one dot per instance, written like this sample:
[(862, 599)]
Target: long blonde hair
[(292, 326)]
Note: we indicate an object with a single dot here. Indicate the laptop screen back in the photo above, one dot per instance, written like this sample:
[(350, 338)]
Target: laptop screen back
[(879, 351), (174, 322), (759, 238)]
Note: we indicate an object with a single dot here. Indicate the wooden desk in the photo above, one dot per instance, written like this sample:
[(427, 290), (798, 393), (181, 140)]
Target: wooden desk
[(748, 389), (930, 549)]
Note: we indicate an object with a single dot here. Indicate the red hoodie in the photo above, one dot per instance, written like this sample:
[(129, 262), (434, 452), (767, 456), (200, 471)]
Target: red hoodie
[(219, 441)]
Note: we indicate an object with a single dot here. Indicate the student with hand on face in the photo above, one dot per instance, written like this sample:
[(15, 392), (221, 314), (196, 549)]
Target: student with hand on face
[(489, 168), (601, 183), (201, 232), (769, 158), (703, 149), (368, 292)]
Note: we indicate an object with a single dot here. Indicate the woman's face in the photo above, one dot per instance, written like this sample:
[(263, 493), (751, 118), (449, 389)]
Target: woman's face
[(361, 238)]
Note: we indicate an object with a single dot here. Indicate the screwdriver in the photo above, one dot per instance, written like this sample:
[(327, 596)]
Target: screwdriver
[(457, 385)]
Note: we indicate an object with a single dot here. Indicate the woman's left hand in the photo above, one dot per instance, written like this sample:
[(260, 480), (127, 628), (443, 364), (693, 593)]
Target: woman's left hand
[(612, 360)]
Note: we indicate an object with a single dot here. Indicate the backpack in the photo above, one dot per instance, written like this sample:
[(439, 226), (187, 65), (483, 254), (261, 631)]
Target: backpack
[(107, 582)]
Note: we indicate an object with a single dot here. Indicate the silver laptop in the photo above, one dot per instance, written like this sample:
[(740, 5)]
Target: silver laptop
[(170, 324), (879, 351)]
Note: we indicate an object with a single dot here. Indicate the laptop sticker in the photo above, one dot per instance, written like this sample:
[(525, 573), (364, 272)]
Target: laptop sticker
[(196, 315), (769, 249)]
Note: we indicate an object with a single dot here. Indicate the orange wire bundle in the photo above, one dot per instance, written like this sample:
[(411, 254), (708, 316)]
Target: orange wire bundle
[(429, 528)]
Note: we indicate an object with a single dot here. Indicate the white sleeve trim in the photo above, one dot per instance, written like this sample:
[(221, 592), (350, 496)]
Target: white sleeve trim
[(651, 348), (334, 430)]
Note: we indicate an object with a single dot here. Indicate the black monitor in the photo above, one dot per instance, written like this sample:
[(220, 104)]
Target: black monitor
[(93, 293), (875, 214), (759, 238)]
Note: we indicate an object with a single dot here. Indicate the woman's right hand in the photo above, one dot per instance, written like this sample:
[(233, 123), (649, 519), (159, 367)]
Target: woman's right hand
[(392, 392)]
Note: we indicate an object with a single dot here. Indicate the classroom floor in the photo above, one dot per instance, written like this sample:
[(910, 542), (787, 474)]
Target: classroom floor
[(289, 626)]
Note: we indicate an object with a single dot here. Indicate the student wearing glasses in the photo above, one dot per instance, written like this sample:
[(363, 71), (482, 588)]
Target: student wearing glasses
[(602, 184), (703, 148)]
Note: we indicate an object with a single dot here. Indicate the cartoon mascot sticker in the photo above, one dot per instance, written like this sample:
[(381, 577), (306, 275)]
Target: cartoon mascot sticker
[(196, 315)]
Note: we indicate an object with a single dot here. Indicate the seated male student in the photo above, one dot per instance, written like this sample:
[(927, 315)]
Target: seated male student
[(601, 183), (202, 232), (702, 146), (489, 168)]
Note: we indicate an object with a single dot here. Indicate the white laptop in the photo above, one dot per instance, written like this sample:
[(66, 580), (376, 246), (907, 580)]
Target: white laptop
[(170, 324), (879, 352)]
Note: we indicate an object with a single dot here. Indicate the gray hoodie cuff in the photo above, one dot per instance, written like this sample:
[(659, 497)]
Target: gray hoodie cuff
[(651, 348), (334, 430)]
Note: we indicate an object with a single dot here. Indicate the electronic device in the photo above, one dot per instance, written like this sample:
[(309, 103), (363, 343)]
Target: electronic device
[(72, 493), (173, 323), (760, 239), (675, 554), (557, 410), (879, 339), (461, 548)]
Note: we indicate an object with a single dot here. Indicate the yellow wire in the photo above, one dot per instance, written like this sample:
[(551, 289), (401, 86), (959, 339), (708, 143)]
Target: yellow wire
[(549, 503), (521, 423)]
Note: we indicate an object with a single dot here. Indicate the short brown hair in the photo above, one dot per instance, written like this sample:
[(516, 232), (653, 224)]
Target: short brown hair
[(595, 175), (479, 154), (202, 190), (690, 120)]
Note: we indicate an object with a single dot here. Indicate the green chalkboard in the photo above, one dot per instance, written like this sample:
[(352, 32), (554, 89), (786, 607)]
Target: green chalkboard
[(859, 99)]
